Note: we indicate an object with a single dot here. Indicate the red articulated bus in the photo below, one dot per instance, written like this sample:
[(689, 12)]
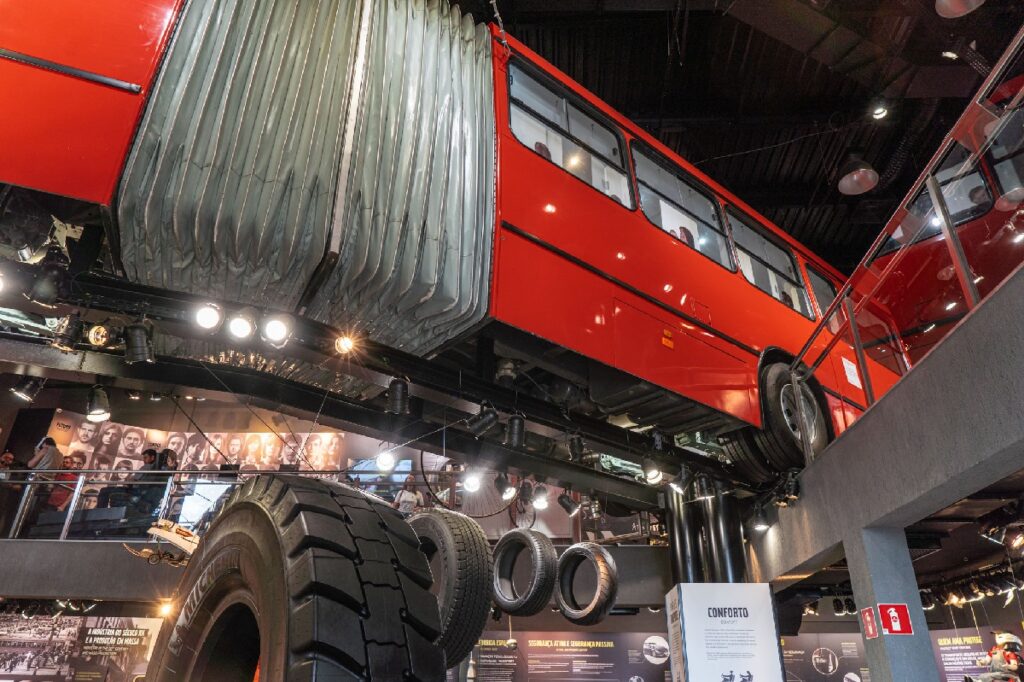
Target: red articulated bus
[(597, 267)]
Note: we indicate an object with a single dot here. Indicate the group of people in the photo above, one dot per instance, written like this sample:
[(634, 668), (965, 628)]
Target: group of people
[(139, 490)]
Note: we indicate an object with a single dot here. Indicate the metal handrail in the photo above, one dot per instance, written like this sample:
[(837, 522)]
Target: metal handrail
[(26, 480), (799, 371)]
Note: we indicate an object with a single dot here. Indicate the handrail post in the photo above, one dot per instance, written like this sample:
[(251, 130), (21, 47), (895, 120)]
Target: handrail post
[(165, 501), (956, 249), (79, 483), (858, 350), (801, 417), (19, 517)]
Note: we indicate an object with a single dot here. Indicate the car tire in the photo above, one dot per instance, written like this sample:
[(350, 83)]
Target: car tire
[(605, 592), (543, 580), (458, 548), (311, 581)]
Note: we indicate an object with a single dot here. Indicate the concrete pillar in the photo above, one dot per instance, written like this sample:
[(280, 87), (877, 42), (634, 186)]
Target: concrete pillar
[(683, 522), (881, 572)]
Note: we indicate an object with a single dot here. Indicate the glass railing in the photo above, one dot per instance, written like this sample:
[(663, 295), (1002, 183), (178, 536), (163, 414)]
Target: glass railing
[(100, 505), (956, 237)]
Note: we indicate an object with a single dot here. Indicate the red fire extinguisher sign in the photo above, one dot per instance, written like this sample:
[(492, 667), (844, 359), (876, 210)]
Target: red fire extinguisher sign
[(895, 619), (867, 618)]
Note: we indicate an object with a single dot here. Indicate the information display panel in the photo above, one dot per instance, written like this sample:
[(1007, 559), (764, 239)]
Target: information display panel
[(723, 631)]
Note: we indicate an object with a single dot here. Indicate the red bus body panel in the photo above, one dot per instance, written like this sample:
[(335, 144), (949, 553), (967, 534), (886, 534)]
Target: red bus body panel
[(62, 134), (598, 278)]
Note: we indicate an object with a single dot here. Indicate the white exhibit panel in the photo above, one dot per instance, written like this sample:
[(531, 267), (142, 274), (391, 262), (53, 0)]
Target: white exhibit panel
[(723, 631)]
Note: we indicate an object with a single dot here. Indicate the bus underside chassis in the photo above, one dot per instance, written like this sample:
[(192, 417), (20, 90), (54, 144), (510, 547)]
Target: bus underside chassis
[(760, 455), (582, 385), (308, 580)]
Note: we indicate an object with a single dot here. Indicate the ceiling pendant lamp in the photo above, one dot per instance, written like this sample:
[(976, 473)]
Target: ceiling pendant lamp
[(954, 9), (856, 176), (97, 408)]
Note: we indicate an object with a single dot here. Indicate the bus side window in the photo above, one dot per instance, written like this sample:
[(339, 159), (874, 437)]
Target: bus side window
[(824, 290), (544, 121), (679, 208), (768, 266)]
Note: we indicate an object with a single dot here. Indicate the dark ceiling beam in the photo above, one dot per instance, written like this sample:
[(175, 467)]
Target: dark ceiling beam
[(801, 27), (230, 384)]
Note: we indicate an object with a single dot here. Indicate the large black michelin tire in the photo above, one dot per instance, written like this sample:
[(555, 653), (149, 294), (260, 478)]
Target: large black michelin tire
[(457, 547), (605, 591), (543, 579), (759, 454), (312, 580)]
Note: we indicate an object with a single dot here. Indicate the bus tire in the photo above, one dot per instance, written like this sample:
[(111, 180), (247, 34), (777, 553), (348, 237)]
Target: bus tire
[(607, 583), (778, 440), (311, 581), (463, 579), (747, 460), (542, 581)]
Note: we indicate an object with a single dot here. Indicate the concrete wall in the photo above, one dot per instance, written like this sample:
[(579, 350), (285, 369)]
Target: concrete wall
[(952, 426)]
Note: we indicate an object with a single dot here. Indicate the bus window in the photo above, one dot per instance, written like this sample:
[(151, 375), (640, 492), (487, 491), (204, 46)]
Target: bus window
[(824, 290), (769, 267), (1007, 158), (965, 191), (544, 121), (678, 208)]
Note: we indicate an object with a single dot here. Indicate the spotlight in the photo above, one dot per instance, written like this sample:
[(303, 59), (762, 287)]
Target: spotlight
[(242, 324), (28, 388), (386, 461), (526, 491), (838, 607), (209, 317), (1017, 542), (471, 482), (879, 111), (571, 506), (155, 397), (99, 335), (950, 55), (856, 176), (811, 609), (166, 608), (25, 253), (398, 397), (344, 345), (482, 422), (516, 432), (540, 497), (575, 447), (504, 488), (138, 343), (651, 471), (133, 394), (927, 600), (69, 333), (277, 329), (851, 607), (954, 9), (760, 520), (97, 408)]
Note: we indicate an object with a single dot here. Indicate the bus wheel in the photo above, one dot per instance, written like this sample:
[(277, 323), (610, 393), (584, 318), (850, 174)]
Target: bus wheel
[(780, 439), (307, 580)]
